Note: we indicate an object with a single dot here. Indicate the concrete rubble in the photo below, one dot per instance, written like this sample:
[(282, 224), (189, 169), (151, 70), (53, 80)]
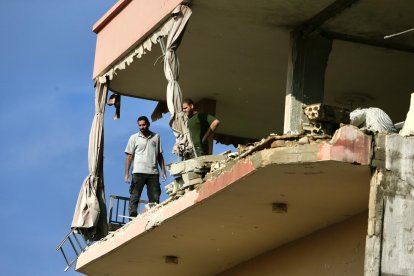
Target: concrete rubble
[(189, 173), (324, 119)]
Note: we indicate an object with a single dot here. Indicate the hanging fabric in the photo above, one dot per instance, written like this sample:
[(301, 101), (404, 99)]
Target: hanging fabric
[(90, 214), (181, 15)]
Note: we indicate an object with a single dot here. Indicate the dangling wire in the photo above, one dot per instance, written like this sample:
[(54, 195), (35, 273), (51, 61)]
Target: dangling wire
[(162, 46), (400, 33)]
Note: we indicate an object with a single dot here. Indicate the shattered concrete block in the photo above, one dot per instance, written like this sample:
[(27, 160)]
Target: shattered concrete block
[(198, 164), (320, 128), (326, 113), (176, 168), (408, 128), (192, 182), (173, 187), (187, 177)]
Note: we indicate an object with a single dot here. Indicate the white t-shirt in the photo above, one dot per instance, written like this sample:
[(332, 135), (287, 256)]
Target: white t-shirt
[(145, 151)]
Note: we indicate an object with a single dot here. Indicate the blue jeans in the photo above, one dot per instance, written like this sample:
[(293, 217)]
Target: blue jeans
[(139, 180)]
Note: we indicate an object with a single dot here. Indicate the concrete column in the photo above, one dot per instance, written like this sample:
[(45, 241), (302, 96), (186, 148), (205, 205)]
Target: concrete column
[(306, 76), (390, 235)]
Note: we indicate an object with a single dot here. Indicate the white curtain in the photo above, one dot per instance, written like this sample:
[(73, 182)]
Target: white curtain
[(181, 15), (90, 213)]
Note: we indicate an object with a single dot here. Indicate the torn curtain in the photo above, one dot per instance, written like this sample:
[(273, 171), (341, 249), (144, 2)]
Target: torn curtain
[(181, 15), (90, 213)]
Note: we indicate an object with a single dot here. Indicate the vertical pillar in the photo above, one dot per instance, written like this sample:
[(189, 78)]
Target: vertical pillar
[(390, 235), (306, 76)]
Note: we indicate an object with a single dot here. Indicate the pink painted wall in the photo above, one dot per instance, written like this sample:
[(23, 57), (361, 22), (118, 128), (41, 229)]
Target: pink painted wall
[(132, 21)]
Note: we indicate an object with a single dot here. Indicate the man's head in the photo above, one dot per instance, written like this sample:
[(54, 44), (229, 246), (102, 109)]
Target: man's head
[(188, 107), (143, 124)]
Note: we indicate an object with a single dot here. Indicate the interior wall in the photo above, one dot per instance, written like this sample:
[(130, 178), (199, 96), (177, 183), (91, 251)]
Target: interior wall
[(336, 250), (365, 76)]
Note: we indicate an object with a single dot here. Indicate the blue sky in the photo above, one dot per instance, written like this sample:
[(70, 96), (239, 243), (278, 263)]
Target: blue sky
[(46, 113)]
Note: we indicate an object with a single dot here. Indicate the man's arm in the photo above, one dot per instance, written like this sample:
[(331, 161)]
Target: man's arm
[(128, 162), (160, 159), (210, 130)]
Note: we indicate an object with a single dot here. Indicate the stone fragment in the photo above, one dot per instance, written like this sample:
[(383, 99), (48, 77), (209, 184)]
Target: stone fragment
[(326, 113), (189, 176), (198, 164), (304, 140), (278, 143)]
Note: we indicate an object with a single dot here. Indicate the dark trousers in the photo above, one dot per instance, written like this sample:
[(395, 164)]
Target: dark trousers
[(139, 180)]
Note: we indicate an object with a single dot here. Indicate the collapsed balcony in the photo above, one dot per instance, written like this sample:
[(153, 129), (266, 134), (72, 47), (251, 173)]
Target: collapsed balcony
[(244, 206)]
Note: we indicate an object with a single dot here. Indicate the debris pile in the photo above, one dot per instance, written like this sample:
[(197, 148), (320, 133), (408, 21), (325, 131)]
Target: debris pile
[(324, 120), (189, 173)]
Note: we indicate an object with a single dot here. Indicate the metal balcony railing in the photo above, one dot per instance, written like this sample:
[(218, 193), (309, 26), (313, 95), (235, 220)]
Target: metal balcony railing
[(118, 208), (74, 243)]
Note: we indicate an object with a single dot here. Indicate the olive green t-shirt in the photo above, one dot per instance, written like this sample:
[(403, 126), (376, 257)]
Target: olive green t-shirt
[(198, 125)]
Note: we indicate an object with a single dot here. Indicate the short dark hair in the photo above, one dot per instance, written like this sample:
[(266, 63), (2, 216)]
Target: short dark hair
[(188, 101), (143, 118)]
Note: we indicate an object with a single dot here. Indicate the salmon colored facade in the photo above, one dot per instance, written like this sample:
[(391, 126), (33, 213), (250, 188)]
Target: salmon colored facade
[(124, 26)]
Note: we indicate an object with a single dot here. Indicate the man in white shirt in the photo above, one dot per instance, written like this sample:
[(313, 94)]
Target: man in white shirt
[(145, 150)]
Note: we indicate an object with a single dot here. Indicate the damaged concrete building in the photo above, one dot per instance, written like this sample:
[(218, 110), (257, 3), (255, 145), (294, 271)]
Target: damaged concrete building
[(301, 196)]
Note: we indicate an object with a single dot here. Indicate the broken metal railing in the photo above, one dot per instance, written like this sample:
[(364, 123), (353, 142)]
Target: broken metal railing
[(118, 206), (75, 244)]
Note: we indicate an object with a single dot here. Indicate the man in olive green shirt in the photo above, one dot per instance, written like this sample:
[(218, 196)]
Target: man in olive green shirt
[(201, 127)]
